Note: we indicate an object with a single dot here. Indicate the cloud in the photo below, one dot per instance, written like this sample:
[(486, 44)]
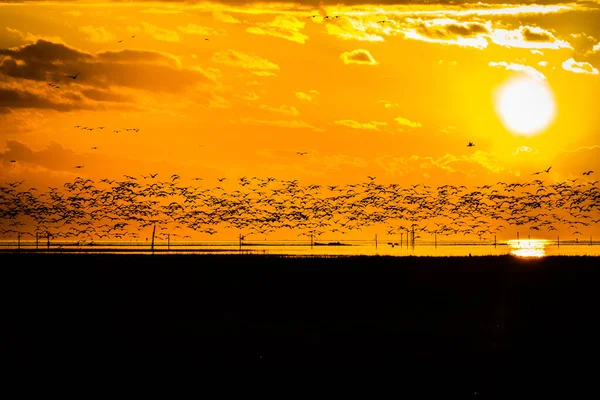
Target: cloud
[(164, 35), (372, 125), (156, 10), (475, 164), (579, 67), (145, 70), (448, 129), (280, 123), (193, 29), (523, 149), (406, 122), (105, 95), (528, 37), (226, 18), (282, 109), (53, 157), (388, 104), (359, 56), (31, 38), (527, 70), (349, 28), (241, 60), (448, 31), (283, 26), (14, 98), (97, 35), (307, 96), (478, 34)]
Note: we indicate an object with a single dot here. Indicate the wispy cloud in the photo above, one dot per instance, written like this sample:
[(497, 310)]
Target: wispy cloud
[(281, 123), (32, 38), (282, 109), (97, 35), (164, 35), (193, 29), (285, 27), (407, 122), (371, 125), (242, 60), (307, 96), (527, 70)]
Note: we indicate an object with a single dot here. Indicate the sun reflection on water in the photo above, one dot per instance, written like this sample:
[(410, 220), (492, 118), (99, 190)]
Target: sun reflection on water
[(528, 248)]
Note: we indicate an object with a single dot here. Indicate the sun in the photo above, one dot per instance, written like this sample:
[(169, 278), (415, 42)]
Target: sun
[(525, 106)]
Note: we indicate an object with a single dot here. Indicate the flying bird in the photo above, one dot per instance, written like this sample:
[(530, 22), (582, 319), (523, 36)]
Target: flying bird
[(79, 166), (13, 161), (471, 144), (588, 172), (73, 76), (302, 152), (548, 170)]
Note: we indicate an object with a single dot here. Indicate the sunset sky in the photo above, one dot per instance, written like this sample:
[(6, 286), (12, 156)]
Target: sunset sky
[(309, 90)]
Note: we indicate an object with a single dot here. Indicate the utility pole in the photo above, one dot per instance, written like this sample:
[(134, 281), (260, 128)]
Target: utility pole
[(152, 245), (168, 241), (36, 241), (19, 241), (375, 240)]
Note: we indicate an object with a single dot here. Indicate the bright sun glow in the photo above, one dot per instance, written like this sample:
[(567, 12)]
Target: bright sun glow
[(525, 106), (530, 248)]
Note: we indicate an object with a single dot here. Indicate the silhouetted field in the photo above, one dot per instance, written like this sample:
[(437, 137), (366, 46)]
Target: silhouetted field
[(491, 318)]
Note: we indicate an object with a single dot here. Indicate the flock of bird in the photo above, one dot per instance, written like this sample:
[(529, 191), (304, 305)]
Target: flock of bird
[(121, 209)]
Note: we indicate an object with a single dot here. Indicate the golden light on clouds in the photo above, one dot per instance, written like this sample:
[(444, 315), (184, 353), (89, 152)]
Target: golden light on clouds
[(526, 106)]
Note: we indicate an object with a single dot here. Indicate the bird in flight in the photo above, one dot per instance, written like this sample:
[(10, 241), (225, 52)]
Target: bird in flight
[(73, 76), (13, 161), (548, 170), (79, 166), (302, 152), (94, 148), (471, 144), (588, 172)]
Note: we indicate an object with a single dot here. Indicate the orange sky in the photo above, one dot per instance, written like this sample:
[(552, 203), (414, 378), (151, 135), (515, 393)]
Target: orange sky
[(234, 89)]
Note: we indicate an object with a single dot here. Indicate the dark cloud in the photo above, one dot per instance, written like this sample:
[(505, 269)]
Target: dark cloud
[(536, 36), (103, 95), (44, 52), (53, 157), (452, 30), (52, 62), (12, 98), (468, 29), (136, 56)]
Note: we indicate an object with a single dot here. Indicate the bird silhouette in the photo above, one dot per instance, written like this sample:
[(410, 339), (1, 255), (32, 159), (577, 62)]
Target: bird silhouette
[(588, 172), (548, 170), (73, 76), (471, 144)]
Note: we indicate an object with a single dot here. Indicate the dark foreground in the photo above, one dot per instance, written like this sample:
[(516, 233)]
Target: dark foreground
[(486, 320)]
